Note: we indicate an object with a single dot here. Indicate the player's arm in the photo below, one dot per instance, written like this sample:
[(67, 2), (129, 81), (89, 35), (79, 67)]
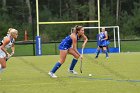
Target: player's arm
[(13, 49), (85, 40), (74, 43), (106, 36), (5, 42)]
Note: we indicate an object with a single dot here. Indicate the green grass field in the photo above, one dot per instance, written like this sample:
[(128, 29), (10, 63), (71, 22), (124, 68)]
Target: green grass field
[(118, 74)]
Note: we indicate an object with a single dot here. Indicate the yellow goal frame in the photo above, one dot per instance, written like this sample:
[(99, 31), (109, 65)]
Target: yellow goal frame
[(66, 22)]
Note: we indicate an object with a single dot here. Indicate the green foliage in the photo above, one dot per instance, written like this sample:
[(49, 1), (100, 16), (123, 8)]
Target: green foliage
[(16, 14), (131, 23), (136, 19), (107, 19)]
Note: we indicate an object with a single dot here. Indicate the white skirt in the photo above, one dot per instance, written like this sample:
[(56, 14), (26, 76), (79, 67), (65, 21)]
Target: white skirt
[(2, 54)]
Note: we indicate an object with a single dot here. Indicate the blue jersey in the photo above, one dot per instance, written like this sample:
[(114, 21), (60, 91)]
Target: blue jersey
[(66, 43), (102, 41), (102, 35)]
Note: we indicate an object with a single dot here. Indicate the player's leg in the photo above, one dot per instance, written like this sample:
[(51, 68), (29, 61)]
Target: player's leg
[(63, 54), (74, 60), (2, 64), (2, 59), (97, 52), (0, 70), (105, 50), (107, 45)]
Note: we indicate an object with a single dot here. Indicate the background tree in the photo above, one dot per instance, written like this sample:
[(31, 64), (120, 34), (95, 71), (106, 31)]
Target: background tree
[(17, 14)]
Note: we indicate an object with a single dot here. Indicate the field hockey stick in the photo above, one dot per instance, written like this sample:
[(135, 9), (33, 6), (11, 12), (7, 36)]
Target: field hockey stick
[(81, 60)]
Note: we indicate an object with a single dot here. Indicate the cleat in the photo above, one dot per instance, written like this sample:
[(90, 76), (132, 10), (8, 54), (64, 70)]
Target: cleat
[(107, 57), (73, 72), (52, 75), (96, 57)]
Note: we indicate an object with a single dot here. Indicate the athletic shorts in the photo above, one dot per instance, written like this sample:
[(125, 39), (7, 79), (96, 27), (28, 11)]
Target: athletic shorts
[(2, 54), (64, 47)]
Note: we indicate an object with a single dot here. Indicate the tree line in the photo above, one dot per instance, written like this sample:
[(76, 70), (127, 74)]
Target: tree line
[(21, 14)]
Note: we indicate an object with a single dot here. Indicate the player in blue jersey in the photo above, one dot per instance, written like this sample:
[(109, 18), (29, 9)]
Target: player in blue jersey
[(7, 42), (69, 45), (102, 42)]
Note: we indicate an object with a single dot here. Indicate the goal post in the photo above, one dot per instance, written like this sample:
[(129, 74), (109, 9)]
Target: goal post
[(67, 22), (38, 38)]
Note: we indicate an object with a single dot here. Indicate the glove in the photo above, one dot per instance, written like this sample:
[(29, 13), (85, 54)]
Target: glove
[(12, 53), (102, 39), (9, 56)]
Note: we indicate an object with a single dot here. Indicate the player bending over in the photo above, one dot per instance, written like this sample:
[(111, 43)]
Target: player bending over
[(69, 45), (7, 42)]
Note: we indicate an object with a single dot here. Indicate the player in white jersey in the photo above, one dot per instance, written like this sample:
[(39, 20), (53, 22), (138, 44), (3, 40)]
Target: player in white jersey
[(7, 42)]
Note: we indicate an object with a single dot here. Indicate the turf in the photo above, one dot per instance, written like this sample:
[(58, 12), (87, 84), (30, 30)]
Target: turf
[(118, 74)]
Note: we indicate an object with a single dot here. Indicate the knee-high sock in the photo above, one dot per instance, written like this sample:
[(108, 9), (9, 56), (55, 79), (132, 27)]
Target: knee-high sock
[(106, 53), (55, 68), (98, 51), (1, 68), (73, 63)]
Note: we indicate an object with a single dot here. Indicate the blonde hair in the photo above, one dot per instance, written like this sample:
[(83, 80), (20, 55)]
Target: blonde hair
[(103, 28), (8, 32), (77, 28), (13, 31)]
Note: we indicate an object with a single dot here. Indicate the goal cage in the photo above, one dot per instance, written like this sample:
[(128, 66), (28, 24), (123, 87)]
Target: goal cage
[(91, 33)]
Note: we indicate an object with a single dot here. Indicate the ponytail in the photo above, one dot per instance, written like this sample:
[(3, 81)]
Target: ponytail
[(77, 28)]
